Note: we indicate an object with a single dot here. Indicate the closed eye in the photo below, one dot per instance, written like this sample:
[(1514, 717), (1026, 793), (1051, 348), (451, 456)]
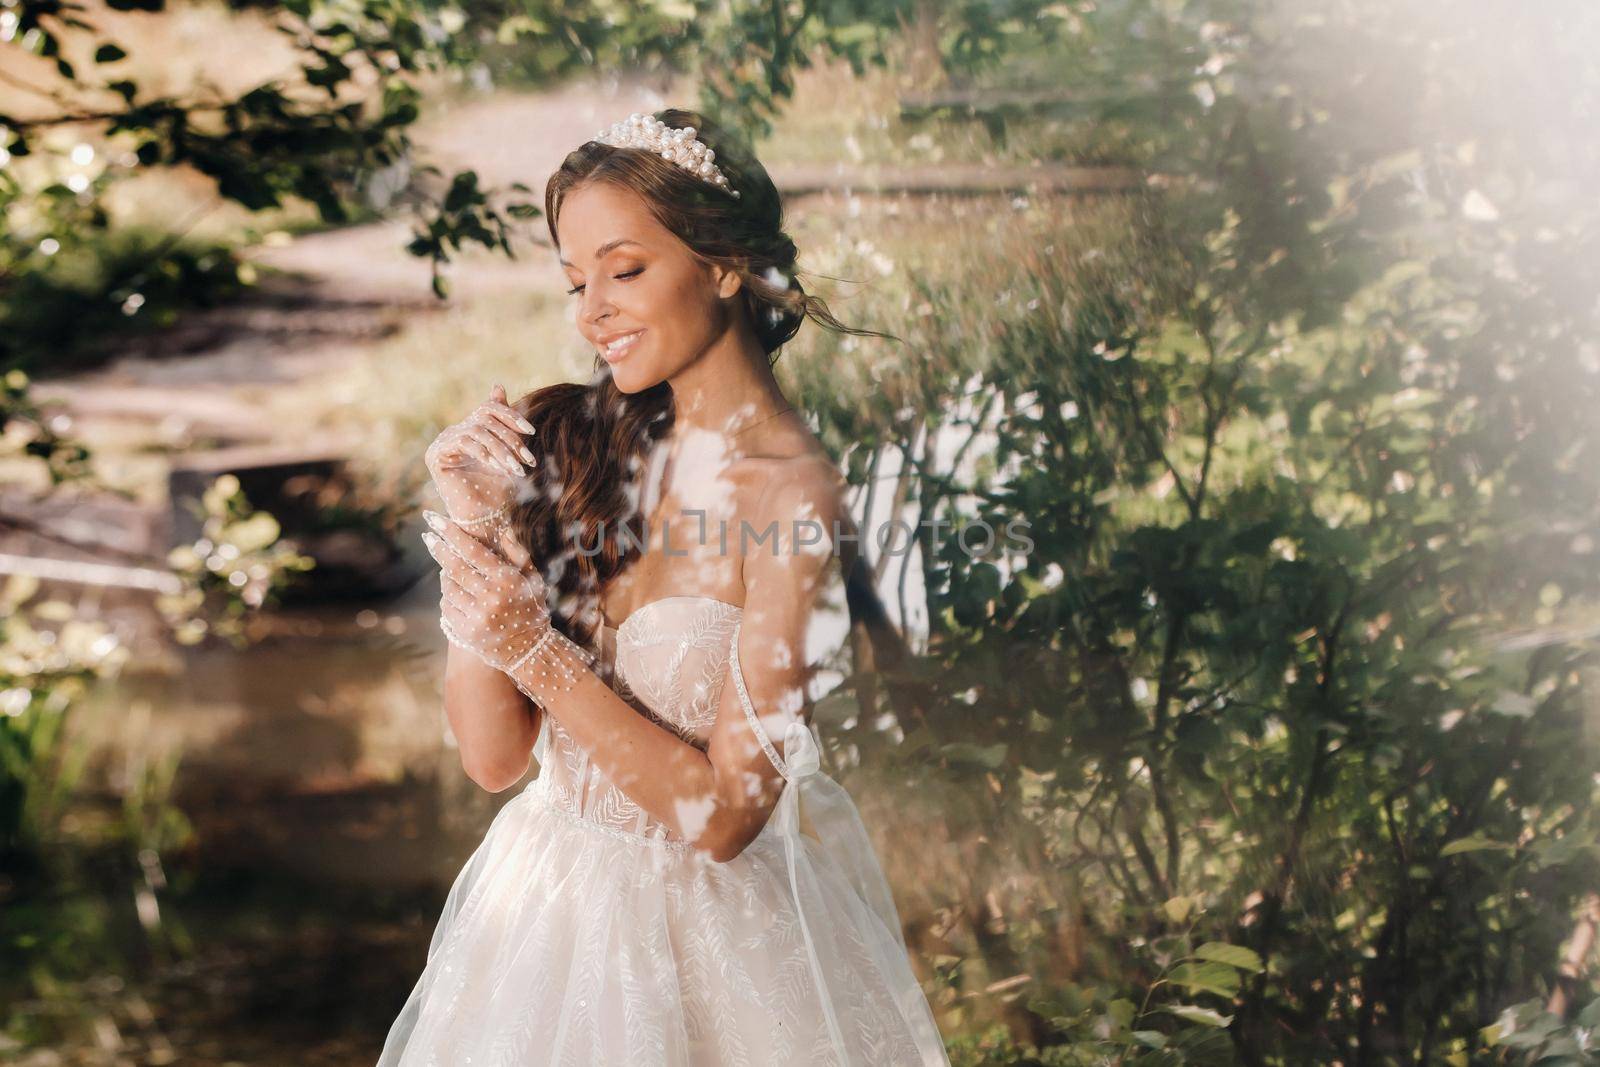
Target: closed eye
[(620, 277)]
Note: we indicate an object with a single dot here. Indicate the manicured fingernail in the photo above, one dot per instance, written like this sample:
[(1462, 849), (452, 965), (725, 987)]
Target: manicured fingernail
[(433, 519), (429, 540), (525, 453), (527, 427)]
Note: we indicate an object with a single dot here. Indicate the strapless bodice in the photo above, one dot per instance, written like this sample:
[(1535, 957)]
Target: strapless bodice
[(669, 659), (671, 656)]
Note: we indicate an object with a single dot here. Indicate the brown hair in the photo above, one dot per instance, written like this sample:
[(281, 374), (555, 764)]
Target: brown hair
[(592, 440)]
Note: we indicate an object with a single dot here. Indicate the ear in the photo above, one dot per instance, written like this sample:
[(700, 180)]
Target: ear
[(726, 280)]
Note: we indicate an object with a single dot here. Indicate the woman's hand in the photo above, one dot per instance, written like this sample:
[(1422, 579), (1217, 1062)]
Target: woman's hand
[(487, 604), (477, 463), (493, 603)]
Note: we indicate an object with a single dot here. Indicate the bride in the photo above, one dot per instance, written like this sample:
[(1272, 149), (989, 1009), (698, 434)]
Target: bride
[(628, 600)]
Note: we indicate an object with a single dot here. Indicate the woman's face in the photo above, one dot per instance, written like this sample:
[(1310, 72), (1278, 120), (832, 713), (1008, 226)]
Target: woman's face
[(631, 275)]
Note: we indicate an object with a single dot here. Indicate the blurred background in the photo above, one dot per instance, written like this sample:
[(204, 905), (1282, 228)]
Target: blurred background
[(1274, 320)]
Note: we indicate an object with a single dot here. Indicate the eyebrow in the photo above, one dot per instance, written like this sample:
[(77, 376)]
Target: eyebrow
[(608, 246)]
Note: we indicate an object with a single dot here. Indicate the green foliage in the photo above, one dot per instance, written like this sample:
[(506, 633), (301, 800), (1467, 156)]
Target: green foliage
[(746, 52), (46, 656), (63, 459), (334, 137), (1096, 1026), (1530, 1034), (71, 864), (1305, 442), (57, 310), (238, 566)]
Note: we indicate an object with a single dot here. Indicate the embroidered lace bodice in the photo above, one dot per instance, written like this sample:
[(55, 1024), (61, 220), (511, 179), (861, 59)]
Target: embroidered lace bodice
[(669, 659)]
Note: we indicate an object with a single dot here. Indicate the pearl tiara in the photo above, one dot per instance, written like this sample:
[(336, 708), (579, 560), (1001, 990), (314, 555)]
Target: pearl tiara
[(677, 146)]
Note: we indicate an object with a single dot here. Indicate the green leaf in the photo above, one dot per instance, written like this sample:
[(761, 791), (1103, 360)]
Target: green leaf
[(255, 533), (1218, 978), (1121, 1011), (1474, 843), (463, 191), (1196, 1014), (1233, 955)]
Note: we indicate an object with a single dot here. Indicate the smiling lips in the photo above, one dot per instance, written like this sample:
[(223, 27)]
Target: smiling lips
[(620, 347)]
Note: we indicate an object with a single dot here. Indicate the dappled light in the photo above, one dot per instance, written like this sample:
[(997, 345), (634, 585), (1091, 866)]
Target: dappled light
[(1048, 533)]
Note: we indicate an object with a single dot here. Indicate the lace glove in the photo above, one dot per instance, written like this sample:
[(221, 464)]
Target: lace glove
[(497, 609), (477, 467)]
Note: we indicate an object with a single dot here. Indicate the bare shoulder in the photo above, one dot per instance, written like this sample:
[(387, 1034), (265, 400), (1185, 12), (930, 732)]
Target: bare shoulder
[(803, 484), (797, 507)]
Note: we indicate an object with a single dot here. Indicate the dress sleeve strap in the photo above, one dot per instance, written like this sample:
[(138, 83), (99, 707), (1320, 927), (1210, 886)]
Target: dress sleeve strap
[(749, 708)]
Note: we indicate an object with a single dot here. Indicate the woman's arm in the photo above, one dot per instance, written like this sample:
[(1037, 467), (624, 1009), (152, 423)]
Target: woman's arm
[(494, 723), (718, 799)]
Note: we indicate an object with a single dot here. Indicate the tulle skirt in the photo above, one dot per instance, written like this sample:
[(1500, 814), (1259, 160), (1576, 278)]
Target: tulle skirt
[(567, 942)]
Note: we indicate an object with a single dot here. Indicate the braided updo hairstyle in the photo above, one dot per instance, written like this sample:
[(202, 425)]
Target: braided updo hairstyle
[(592, 440)]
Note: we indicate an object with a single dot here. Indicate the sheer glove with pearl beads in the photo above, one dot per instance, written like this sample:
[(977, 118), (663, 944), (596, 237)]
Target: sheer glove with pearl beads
[(480, 465), (497, 609)]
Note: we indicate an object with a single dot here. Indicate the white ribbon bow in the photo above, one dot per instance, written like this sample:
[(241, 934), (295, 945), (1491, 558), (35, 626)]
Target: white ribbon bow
[(801, 759)]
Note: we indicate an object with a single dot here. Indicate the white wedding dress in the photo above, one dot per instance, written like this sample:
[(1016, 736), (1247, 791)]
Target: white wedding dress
[(584, 932)]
